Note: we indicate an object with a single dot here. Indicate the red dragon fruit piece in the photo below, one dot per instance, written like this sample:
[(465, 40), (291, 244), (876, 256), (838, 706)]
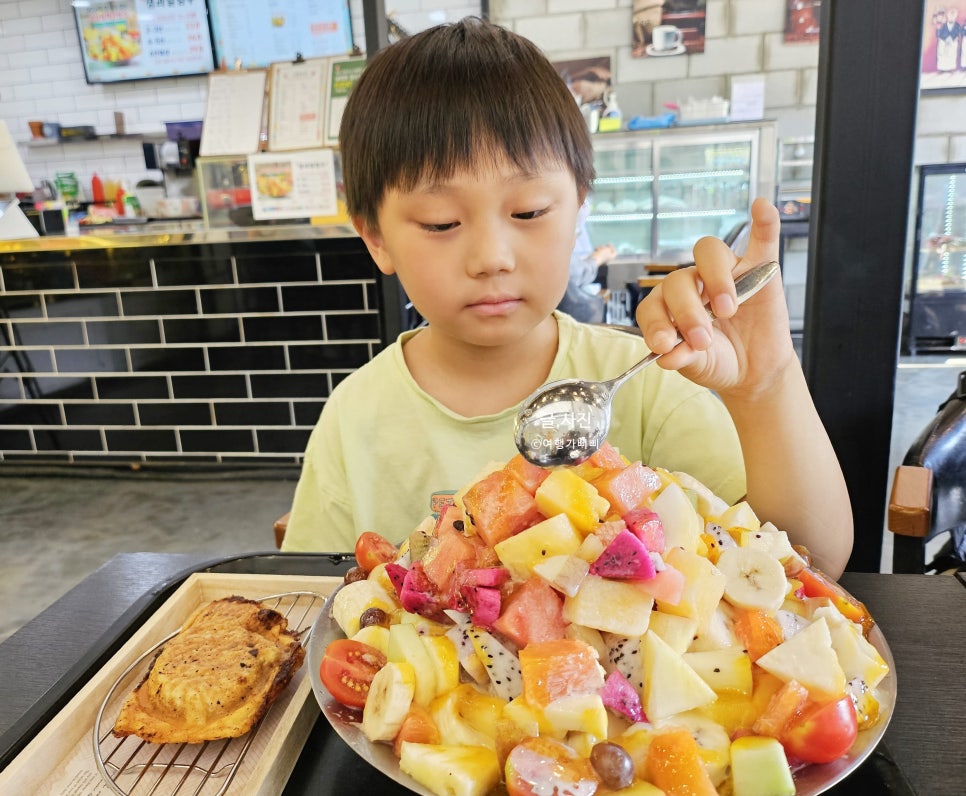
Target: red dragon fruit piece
[(397, 574), (625, 558), (619, 695), (490, 577), (484, 604), (418, 594)]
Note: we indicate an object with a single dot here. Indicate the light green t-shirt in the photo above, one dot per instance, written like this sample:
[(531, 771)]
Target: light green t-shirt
[(383, 447)]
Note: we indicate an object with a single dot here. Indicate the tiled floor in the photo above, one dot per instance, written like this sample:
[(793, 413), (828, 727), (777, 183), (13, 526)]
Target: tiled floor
[(56, 529)]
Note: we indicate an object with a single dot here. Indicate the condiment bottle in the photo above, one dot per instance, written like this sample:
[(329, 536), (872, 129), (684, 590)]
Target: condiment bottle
[(97, 190), (119, 201)]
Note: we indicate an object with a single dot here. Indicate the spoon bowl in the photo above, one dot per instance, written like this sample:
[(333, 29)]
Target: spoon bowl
[(565, 422)]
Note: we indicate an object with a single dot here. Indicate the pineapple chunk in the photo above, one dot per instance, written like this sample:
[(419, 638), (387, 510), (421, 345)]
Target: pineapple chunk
[(451, 770), (563, 491)]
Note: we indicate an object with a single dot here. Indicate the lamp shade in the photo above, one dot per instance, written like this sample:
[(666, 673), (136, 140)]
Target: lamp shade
[(13, 174)]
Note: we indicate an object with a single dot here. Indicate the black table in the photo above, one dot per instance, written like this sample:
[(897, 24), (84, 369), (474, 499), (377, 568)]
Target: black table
[(46, 661)]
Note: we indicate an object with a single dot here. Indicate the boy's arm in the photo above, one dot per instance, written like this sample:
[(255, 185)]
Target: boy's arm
[(747, 357)]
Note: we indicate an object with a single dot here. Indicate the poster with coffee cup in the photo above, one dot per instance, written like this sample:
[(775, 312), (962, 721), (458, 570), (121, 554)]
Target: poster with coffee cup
[(663, 28)]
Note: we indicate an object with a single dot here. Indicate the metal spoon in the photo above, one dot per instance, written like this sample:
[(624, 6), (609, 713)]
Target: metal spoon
[(566, 421)]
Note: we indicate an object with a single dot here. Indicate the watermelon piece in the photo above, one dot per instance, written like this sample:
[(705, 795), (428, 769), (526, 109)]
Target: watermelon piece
[(397, 574), (621, 697), (528, 474), (625, 558), (626, 489), (533, 613), (483, 603), (499, 507), (646, 525)]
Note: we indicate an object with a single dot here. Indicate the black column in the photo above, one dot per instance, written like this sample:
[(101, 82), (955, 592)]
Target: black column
[(865, 131)]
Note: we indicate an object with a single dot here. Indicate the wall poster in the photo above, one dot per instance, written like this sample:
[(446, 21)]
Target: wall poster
[(943, 67), (802, 21), (667, 27)]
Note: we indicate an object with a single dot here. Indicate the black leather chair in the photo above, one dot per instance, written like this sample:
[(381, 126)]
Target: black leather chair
[(928, 497)]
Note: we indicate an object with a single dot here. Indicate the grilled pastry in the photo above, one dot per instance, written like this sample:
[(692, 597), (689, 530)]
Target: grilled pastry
[(216, 678)]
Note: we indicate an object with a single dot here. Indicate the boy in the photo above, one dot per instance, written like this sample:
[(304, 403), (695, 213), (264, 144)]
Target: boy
[(465, 160)]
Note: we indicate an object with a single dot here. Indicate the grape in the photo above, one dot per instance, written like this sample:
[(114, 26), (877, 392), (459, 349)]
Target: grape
[(374, 616), (613, 765), (354, 574)]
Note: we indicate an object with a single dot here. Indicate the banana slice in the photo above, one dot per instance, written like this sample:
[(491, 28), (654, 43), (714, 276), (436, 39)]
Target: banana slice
[(354, 598), (753, 578), (390, 697)]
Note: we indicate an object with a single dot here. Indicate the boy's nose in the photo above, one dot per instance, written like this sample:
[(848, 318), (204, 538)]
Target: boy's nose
[(489, 252)]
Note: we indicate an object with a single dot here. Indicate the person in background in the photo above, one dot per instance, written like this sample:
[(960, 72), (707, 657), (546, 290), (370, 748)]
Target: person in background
[(580, 300), (473, 203)]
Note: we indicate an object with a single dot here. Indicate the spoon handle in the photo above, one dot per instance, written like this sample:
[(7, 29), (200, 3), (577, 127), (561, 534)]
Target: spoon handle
[(746, 286)]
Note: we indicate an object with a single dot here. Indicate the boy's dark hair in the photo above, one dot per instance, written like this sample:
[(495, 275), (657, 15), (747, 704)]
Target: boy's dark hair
[(451, 97)]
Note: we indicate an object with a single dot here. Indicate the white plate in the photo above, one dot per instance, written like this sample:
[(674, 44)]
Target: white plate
[(650, 50), (809, 781)]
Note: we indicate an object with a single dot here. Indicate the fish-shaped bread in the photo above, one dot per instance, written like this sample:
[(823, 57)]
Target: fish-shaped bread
[(216, 678)]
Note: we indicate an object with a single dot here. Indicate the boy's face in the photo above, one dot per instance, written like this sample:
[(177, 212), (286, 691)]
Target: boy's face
[(484, 256)]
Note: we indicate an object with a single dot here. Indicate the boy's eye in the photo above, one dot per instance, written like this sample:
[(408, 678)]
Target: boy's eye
[(439, 227), (530, 214)]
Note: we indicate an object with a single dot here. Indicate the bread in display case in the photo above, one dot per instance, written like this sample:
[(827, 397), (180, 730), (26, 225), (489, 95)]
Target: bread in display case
[(658, 191)]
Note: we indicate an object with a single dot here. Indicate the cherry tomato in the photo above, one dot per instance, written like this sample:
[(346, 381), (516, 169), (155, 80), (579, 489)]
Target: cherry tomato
[(373, 550), (824, 733), (347, 670)]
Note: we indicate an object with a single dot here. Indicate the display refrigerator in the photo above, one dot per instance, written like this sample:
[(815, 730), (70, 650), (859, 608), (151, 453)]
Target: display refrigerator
[(658, 191), (936, 319)]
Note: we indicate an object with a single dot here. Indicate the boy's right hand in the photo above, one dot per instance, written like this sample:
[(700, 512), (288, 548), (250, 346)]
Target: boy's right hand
[(742, 353)]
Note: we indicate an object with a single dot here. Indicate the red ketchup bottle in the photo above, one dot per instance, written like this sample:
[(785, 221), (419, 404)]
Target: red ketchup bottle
[(97, 190)]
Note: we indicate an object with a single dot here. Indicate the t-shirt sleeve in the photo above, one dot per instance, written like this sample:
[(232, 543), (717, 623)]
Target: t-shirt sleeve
[(321, 517)]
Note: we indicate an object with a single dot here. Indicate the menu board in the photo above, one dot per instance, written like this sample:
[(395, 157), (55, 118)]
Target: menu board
[(252, 34), (140, 39)]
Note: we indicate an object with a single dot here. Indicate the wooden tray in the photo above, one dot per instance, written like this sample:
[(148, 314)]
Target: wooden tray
[(60, 760)]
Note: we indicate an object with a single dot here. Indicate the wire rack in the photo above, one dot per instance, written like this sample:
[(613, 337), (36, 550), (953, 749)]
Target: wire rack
[(133, 767)]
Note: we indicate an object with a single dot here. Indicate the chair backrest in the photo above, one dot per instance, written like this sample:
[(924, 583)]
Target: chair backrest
[(941, 447)]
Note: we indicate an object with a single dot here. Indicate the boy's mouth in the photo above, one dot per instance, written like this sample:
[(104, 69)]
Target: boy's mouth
[(495, 305)]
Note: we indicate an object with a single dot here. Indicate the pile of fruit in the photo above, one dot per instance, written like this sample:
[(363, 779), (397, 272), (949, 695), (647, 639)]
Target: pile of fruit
[(603, 628)]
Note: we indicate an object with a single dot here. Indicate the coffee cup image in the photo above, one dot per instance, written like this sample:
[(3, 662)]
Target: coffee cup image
[(666, 37)]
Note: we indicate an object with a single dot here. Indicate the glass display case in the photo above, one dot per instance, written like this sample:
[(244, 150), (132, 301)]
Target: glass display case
[(937, 289), (658, 191)]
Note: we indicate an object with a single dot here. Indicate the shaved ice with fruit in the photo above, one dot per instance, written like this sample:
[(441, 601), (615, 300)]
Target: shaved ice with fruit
[(602, 628)]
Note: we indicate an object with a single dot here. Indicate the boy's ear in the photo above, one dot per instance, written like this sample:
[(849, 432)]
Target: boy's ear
[(373, 240)]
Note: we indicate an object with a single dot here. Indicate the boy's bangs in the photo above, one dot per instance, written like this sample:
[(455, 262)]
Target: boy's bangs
[(470, 134)]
